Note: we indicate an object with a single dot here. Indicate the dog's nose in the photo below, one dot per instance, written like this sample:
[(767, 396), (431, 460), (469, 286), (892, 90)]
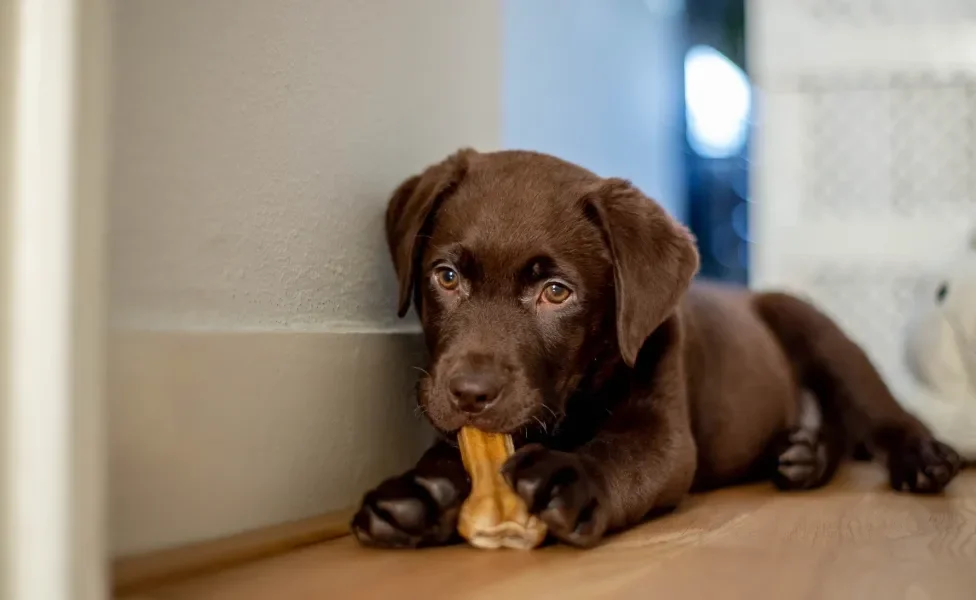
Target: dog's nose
[(474, 391)]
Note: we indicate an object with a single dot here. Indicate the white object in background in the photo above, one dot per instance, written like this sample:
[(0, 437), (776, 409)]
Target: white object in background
[(941, 353), (51, 126), (861, 161)]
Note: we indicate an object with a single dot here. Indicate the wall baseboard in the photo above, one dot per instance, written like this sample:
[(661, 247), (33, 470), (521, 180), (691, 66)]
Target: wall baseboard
[(138, 573), (215, 433)]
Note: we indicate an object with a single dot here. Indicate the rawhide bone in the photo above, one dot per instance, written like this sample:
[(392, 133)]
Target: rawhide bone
[(493, 516)]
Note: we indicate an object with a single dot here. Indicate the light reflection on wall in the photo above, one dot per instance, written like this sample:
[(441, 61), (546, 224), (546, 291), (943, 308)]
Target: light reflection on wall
[(718, 100), (718, 109)]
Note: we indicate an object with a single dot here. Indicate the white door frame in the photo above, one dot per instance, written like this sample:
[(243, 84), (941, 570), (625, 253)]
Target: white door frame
[(53, 76)]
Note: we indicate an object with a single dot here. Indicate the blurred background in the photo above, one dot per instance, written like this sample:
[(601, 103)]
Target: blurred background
[(655, 91), (199, 333)]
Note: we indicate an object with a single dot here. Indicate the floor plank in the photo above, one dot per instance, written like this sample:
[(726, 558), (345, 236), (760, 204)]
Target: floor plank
[(854, 539)]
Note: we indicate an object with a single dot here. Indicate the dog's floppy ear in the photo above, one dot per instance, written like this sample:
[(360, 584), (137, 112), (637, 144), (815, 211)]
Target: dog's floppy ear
[(654, 259), (409, 212)]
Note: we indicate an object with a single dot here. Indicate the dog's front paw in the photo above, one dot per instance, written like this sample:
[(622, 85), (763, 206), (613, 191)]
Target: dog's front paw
[(922, 465), (557, 488), (410, 511)]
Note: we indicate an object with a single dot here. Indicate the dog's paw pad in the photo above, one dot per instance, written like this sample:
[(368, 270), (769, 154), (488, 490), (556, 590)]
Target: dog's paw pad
[(923, 466), (407, 512), (557, 488), (801, 461)]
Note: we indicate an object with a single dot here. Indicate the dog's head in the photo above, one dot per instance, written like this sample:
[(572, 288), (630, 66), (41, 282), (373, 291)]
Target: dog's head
[(528, 273)]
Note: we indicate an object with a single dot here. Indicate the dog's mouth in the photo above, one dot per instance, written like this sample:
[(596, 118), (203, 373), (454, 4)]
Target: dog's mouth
[(491, 420), (524, 413)]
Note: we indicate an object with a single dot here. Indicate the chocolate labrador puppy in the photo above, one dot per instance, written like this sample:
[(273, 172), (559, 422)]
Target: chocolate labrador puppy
[(557, 306)]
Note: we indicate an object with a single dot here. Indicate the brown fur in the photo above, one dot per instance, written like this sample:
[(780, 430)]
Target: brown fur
[(634, 391)]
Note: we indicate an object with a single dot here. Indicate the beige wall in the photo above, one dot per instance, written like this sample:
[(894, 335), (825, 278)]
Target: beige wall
[(257, 373), (92, 107)]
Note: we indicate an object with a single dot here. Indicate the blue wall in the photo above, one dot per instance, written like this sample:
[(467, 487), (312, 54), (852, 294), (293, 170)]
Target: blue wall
[(599, 82)]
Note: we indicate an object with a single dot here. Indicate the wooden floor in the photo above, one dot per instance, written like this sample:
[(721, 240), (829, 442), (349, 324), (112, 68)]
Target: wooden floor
[(854, 539)]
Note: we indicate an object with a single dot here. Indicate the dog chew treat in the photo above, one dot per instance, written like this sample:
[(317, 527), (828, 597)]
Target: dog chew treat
[(493, 516)]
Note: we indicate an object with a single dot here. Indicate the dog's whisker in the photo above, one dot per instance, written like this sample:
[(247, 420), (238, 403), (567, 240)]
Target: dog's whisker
[(542, 424)]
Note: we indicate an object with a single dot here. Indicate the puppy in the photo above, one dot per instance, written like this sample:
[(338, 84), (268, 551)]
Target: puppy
[(559, 307)]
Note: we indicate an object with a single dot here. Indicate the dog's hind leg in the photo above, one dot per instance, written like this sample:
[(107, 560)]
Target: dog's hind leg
[(807, 455), (853, 395)]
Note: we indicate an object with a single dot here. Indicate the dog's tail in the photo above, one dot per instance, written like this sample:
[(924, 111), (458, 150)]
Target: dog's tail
[(853, 397)]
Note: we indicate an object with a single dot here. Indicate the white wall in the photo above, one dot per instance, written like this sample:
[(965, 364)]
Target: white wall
[(864, 137), (599, 83), (256, 372), (53, 83), (257, 143)]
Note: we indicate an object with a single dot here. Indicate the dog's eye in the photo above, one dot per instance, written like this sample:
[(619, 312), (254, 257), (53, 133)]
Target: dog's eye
[(556, 293), (941, 293), (447, 278)]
